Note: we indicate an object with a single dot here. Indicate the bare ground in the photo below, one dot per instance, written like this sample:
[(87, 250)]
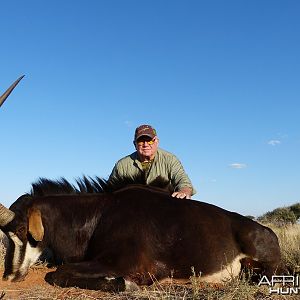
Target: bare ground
[(35, 287), (35, 278)]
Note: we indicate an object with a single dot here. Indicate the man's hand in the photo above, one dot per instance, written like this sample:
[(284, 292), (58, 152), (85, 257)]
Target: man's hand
[(184, 193)]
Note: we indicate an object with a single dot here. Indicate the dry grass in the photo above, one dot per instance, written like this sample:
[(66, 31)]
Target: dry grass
[(2, 255), (237, 289), (289, 240)]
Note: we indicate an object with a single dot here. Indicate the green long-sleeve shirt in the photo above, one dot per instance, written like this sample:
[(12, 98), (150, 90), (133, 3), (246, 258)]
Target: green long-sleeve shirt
[(165, 168)]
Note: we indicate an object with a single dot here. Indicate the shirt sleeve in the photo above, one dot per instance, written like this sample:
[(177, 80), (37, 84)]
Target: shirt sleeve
[(115, 178), (179, 178)]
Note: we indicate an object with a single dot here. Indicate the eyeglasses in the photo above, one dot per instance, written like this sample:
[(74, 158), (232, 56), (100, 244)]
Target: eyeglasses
[(142, 141)]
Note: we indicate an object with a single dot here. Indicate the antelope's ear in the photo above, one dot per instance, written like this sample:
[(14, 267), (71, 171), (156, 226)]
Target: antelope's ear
[(35, 224)]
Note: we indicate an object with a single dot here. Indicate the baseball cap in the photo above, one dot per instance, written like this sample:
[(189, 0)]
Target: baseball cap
[(144, 130)]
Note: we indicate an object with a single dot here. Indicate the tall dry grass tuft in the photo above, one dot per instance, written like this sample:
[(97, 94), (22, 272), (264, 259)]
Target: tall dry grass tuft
[(2, 249), (289, 240), (2, 254)]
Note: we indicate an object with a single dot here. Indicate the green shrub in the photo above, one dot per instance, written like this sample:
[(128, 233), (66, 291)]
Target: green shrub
[(279, 216), (296, 210)]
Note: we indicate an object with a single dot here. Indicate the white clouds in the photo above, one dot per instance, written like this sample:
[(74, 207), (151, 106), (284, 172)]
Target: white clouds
[(238, 166), (274, 142)]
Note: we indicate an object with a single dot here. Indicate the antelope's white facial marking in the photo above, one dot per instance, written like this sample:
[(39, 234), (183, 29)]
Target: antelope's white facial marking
[(17, 253), (23, 258), (31, 256)]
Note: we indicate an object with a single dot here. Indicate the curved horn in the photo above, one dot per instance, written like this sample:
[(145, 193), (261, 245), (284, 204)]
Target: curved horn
[(6, 215), (9, 90)]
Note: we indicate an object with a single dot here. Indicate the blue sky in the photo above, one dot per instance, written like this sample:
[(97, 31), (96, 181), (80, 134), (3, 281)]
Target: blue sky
[(219, 80)]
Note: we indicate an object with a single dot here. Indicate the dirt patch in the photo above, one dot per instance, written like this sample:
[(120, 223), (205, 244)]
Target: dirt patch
[(36, 288), (35, 278)]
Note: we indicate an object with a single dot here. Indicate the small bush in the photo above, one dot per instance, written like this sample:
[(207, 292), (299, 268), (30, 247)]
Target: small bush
[(296, 210), (279, 217)]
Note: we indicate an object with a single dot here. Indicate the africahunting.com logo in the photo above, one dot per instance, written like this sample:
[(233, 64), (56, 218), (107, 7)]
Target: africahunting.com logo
[(282, 284)]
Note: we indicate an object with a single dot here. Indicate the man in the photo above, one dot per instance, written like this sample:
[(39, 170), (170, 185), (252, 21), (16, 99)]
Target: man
[(152, 166)]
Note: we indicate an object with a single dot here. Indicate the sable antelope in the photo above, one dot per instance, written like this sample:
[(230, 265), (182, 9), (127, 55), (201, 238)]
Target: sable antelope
[(115, 240)]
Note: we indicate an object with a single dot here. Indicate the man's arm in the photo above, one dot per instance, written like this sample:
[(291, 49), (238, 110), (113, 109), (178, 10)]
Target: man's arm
[(180, 180), (114, 179)]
